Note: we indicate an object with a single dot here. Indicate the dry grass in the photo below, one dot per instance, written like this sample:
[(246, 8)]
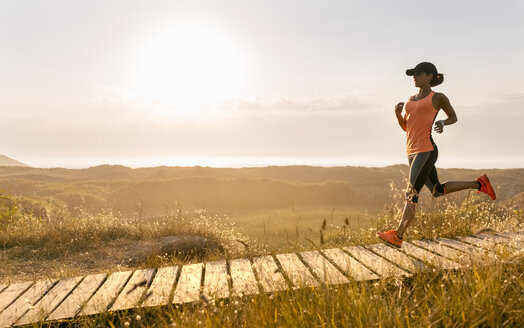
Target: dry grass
[(65, 244), (80, 242), (481, 296), (476, 297)]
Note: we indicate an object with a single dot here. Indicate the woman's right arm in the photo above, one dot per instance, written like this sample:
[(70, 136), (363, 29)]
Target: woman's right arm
[(400, 118)]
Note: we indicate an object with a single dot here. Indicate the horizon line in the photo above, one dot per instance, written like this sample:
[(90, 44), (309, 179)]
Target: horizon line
[(500, 162)]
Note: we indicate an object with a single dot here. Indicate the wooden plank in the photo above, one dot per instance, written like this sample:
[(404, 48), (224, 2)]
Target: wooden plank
[(512, 235), (271, 279), (50, 301), (398, 258), (376, 263), (478, 242), (160, 290), (105, 295), (443, 250), (242, 277), (216, 280), (485, 244), (296, 271), (132, 293), (429, 257), (72, 304), (349, 265), (514, 243), (188, 288), (11, 293), (25, 302), (322, 268), (475, 252)]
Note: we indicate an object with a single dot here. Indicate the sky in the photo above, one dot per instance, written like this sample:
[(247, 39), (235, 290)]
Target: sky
[(254, 83)]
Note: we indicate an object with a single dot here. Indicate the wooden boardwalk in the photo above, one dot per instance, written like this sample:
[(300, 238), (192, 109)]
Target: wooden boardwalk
[(55, 300)]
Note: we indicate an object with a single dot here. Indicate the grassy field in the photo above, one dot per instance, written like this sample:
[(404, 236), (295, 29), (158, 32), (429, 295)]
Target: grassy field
[(299, 228), (67, 243), (52, 240)]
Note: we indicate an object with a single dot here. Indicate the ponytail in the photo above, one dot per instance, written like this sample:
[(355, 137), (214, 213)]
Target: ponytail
[(437, 79)]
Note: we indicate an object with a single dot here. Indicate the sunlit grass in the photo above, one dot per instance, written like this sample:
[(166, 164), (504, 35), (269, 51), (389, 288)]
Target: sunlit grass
[(24, 235), (485, 296), (479, 296), (300, 228), (64, 243)]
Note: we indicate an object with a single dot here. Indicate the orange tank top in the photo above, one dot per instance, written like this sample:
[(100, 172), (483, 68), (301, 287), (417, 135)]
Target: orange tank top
[(419, 116)]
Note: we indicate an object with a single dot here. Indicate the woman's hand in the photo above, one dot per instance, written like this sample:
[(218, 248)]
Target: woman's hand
[(442, 102), (398, 113), (398, 107), (439, 126)]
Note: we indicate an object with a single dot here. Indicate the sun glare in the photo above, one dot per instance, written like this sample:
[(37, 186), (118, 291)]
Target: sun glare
[(189, 66)]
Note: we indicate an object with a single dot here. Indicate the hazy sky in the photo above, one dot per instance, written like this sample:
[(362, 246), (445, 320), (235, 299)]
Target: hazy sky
[(244, 82)]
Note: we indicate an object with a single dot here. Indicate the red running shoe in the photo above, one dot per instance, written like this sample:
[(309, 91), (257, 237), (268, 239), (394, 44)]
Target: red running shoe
[(485, 186), (391, 238)]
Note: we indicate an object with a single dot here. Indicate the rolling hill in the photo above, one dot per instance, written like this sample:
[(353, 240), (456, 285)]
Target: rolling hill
[(160, 189), (6, 161)]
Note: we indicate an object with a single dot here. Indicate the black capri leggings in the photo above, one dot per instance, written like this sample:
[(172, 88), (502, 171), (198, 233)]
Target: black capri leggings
[(422, 172)]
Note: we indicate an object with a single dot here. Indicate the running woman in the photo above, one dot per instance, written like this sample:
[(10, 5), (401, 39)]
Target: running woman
[(420, 114)]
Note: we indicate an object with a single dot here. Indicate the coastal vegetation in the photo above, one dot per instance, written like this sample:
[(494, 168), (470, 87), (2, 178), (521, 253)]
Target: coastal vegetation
[(57, 223)]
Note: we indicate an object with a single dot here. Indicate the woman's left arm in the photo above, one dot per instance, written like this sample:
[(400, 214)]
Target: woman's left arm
[(443, 103)]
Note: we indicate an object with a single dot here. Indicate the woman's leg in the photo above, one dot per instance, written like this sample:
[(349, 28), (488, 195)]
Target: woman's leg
[(437, 189), (452, 186), (447, 187), (407, 218), (420, 167)]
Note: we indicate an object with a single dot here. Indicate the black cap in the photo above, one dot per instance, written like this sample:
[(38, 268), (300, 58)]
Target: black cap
[(425, 67)]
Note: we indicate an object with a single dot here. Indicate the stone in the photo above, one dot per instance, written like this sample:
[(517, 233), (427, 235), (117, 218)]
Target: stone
[(188, 246)]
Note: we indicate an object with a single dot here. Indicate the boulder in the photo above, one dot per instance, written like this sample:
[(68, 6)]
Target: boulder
[(188, 246)]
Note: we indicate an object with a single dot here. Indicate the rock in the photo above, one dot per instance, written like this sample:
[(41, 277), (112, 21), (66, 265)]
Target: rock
[(188, 246)]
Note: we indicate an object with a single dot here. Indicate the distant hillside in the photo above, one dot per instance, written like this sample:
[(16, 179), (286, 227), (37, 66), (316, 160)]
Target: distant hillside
[(160, 189), (6, 161)]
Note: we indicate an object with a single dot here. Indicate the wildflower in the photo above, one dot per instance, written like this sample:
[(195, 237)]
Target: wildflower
[(126, 323), (138, 317)]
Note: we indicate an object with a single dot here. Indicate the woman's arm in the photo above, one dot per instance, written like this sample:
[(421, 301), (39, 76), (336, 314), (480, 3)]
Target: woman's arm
[(443, 103), (400, 118)]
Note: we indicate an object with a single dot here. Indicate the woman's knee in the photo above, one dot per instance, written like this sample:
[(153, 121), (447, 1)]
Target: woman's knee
[(438, 190), (411, 195)]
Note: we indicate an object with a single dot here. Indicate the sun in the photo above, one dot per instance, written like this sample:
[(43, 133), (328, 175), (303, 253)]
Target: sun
[(189, 66)]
